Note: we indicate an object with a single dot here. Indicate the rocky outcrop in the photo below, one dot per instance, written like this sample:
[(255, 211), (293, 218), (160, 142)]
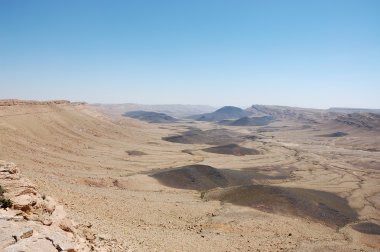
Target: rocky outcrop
[(38, 223)]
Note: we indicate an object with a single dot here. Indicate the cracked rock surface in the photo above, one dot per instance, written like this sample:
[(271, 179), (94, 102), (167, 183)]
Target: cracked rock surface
[(39, 223)]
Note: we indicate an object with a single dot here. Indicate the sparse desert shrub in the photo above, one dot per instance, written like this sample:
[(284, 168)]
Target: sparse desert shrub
[(43, 196), (2, 190), (203, 194), (5, 203)]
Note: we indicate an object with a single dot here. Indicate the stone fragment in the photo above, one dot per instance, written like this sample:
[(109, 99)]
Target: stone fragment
[(60, 241), (27, 234), (66, 225), (24, 202)]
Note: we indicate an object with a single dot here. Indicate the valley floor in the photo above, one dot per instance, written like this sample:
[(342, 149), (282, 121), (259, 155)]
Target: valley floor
[(105, 171)]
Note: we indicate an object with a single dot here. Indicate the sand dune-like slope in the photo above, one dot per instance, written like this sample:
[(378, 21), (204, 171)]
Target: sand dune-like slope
[(87, 161)]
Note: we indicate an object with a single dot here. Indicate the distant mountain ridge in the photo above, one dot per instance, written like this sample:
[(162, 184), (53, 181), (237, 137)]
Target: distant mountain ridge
[(360, 120), (256, 115), (224, 113), (353, 117), (354, 110), (150, 117), (174, 110)]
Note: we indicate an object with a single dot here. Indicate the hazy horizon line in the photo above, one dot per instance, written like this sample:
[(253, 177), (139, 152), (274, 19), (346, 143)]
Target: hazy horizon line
[(192, 104)]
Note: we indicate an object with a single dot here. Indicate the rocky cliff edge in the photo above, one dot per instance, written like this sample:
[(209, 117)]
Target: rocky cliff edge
[(35, 222)]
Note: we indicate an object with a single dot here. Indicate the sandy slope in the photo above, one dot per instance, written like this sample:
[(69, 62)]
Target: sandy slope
[(80, 157)]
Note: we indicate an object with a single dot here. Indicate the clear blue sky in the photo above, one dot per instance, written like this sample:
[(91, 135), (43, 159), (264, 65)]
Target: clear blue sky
[(318, 53)]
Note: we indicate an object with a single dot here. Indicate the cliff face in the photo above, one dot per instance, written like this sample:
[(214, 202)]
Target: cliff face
[(38, 223)]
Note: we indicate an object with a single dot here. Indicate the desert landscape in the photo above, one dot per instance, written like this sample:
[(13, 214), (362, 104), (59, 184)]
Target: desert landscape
[(265, 178), (216, 126)]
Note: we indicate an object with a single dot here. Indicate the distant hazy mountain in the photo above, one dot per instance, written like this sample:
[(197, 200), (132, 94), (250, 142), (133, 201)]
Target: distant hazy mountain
[(174, 110), (360, 120), (289, 113), (151, 117), (224, 113), (281, 111), (354, 110)]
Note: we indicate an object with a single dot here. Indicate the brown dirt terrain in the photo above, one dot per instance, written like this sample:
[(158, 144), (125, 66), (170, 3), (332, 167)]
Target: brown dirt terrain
[(80, 157)]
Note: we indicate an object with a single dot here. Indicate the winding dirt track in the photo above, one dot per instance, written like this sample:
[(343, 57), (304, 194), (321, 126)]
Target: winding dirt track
[(80, 157)]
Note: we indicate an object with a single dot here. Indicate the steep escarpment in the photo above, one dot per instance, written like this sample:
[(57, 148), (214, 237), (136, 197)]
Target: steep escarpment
[(13, 102)]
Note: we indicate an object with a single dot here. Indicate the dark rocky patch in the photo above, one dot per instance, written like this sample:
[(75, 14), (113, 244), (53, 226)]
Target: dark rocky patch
[(232, 149), (248, 121), (270, 129), (324, 207), (251, 137), (204, 177), (367, 228), (135, 153), (238, 187), (150, 117), (193, 177), (372, 149), (212, 137), (187, 152), (335, 134)]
